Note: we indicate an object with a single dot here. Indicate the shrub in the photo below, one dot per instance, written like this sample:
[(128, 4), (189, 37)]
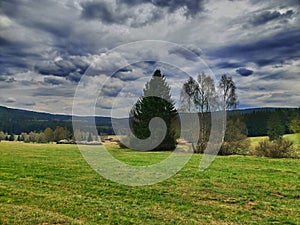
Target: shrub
[(239, 147), (235, 140), (11, 137), (280, 148)]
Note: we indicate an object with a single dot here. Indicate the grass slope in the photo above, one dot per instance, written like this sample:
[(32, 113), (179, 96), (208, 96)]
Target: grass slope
[(295, 138), (52, 184)]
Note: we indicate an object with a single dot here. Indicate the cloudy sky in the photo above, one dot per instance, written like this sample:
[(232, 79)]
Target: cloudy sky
[(51, 48)]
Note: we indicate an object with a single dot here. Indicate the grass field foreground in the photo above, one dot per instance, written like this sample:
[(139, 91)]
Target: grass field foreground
[(52, 184)]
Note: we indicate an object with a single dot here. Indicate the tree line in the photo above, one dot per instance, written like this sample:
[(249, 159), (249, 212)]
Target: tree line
[(49, 135), (197, 96), (16, 121)]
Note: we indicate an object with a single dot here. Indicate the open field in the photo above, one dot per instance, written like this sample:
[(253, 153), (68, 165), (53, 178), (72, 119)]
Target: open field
[(295, 138), (52, 184)]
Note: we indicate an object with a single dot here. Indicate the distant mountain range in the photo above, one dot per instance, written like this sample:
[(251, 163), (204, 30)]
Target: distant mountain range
[(19, 120)]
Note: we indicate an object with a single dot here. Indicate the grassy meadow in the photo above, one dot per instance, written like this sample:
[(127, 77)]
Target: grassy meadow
[(53, 184), (295, 138)]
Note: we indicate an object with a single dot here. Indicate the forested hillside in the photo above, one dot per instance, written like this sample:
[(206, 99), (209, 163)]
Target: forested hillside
[(257, 119), (16, 121)]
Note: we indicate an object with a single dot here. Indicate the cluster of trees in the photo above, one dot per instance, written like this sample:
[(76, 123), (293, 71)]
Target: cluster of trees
[(50, 135), (202, 97), (46, 136), (7, 137), (80, 135)]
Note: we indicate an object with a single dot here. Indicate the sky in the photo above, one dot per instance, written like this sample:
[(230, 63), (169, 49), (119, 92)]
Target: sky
[(54, 50)]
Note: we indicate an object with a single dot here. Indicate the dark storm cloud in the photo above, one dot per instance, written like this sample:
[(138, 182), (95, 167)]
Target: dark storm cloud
[(28, 103), (2, 78), (47, 92), (10, 100), (272, 50), (265, 62), (54, 68), (125, 74), (100, 10), (267, 16), (10, 80), (104, 104), (53, 81), (15, 56), (39, 15), (70, 68), (37, 31), (281, 76), (74, 76), (190, 52), (111, 90), (109, 14), (228, 65), (192, 7), (125, 69), (244, 72), (7, 79), (4, 42)]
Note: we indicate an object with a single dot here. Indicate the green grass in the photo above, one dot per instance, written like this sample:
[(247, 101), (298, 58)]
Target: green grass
[(52, 184), (254, 141), (295, 138)]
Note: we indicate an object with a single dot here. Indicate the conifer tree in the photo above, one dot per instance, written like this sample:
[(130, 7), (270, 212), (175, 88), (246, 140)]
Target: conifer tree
[(155, 102), (275, 127)]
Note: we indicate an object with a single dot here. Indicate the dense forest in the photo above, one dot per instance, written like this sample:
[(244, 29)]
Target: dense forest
[(16, 121), (257, 119)]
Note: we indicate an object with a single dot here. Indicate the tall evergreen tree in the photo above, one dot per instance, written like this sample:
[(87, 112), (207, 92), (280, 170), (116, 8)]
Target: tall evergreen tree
[(155, 102), (275, 127)]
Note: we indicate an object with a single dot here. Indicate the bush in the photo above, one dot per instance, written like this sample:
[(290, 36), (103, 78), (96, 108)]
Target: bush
[(239, 147), (280, 148), (11, 137), (235, 140)]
